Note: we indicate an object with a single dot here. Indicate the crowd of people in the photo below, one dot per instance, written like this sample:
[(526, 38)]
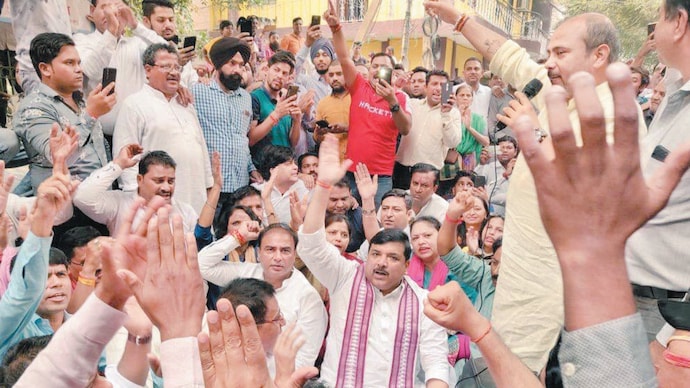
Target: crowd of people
[(289, 212)]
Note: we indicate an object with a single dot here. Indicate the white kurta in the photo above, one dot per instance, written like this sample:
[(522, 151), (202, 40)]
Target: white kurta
[(298, 299), (337, 274), (156, 123)]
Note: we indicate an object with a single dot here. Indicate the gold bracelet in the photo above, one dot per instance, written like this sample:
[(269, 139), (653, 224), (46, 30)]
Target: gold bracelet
[(87, 282)]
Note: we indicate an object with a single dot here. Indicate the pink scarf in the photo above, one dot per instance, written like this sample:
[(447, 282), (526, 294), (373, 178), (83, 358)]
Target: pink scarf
[(416, 271), (353, 352)]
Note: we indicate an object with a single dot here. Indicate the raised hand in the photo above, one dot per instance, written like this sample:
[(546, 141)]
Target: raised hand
[(231, 353), (285, 352), (331, 170), (171, 262), (448, 306), (607, 175), (461, 203), (62, 145), (216, 169), (298, 208), (313, 34), (366, 186), (250, 230), (444, 10), (331, 15), (126, 158), (472, 240)]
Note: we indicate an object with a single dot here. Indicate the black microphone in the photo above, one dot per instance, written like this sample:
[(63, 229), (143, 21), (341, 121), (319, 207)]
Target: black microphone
[(531, 89)]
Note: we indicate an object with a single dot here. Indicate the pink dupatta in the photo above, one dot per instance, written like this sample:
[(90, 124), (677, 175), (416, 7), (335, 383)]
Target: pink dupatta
[(416, 271), (353, 352)]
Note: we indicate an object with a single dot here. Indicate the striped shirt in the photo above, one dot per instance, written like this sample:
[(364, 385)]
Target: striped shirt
[(225, 119)]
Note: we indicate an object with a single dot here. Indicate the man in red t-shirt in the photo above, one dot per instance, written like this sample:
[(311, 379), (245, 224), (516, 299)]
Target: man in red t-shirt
[(378, 113)]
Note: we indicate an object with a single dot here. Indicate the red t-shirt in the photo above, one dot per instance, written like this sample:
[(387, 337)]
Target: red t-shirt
[(372, 134)]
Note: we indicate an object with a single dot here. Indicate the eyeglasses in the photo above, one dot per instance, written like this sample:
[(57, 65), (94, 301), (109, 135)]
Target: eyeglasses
[(169, 67), (279, 320)]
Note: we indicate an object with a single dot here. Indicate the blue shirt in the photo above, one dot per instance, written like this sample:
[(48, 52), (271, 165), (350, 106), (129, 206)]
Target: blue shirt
[(24, 293), (225, 119)]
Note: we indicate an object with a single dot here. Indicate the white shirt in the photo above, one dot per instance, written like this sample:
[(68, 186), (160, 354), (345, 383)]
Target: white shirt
[(337, 274), (98, 202), (95, 51), (156, 123), (126, 58), (436, 207), (281, 202), (431, 135), (480, 102), (298, 299)]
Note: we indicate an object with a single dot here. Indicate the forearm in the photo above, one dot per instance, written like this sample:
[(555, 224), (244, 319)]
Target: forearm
[(259, 131), (314, 219), (295, 132), (436, 383), (590, 284), (482, 139), (505, 367), (134, 364), (208, 211), (79, 296), (484, 39), (402, 121), (447, 237), (343, 55)]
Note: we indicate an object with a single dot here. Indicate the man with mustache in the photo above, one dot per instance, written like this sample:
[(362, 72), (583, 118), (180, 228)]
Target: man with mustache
[(378, 334), (225, 114), (57, 100), (587, 42), (335, 108), (156, 178), (156, 120), (435, 129)]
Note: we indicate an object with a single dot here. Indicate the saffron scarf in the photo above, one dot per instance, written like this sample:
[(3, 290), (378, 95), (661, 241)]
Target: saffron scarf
[(353, 352), (416, 271)]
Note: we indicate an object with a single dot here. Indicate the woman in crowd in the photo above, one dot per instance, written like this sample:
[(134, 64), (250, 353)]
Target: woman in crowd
[(338, 231), (473, 130), (481, 244), (230, 221), (473, 219)]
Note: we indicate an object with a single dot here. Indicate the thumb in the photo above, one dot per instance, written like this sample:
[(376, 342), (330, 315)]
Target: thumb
[(155, 364), (301, 375), (133, 283)]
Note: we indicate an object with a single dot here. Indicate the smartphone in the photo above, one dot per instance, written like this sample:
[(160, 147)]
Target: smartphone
[(189, 41), (291, 91), (650, 28), (315, 20), (322, 124), (479, 181), (446, 91), (109, 75), (385, 73), (246, 25)]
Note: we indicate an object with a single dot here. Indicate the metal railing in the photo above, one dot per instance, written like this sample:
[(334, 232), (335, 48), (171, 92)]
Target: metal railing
[(352, 10), (517, 23)]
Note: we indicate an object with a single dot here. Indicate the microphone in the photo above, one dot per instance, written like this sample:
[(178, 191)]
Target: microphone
[(531, 89)]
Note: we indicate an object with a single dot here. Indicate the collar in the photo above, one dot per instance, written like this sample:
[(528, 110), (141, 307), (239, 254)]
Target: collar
[(158, 94), (53, 95)]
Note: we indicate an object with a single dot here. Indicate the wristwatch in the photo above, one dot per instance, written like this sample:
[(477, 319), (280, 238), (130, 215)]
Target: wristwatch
[(138, 340), (395, 108)]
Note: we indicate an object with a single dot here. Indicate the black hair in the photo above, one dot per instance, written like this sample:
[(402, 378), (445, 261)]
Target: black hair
[(272, 227), (462, 174), (343, 183), (333, 218), (399, 193), (470, 59), (428, 219), (295, 20), (424, 168), (399, 66), (301, 158), (497, 244), (157, 158), (45, 47), (57, 257), (420, 69), (148, 6), (19, 357), (224, 23), (221, 227), (149, 56), (283, 56), (386, 236), (383, 55), (250, 292), (76, 237), (511, 139), (271, 157), (437, 73)]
